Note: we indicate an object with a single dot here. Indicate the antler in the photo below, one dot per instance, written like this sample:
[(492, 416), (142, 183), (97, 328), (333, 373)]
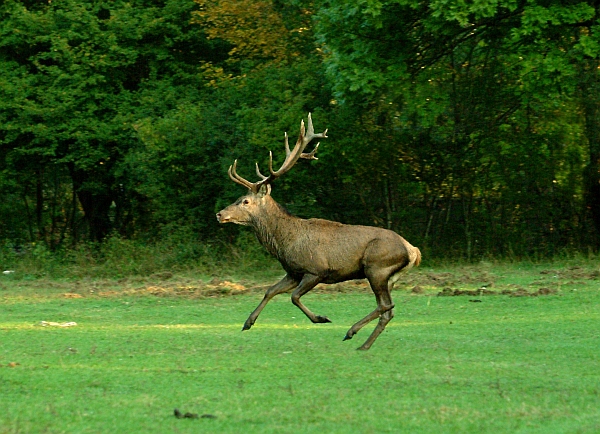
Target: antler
[(291, 157)]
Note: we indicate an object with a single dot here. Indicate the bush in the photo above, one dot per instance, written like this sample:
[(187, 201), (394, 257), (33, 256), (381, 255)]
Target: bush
[(119, 257)]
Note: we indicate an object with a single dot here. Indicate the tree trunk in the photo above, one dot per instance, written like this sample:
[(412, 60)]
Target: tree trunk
[(39, 204), (388, 203), (95, 201), (29, 218), (467, 208)]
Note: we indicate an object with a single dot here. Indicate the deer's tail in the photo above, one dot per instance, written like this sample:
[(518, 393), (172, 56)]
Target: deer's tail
[(414, 259), (414, 256)]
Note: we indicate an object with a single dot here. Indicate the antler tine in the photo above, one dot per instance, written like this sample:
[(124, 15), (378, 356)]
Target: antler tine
[(237, 178), (311, 129), (311, 132), (307, 134), (310, 155), (305, 137), (271, 163), (287, 145), (260, 175)]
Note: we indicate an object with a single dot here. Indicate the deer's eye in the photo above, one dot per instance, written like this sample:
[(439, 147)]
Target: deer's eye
[(246, 202)]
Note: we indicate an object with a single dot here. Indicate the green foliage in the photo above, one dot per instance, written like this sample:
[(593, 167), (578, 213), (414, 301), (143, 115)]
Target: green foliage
[(176, 168), (479, 78), (119, 257), (80, 75), (472, 128)]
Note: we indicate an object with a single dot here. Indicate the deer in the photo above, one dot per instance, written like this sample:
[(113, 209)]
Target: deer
[(314, 251)]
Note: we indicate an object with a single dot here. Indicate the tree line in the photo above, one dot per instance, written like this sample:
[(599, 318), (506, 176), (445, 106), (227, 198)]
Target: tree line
[(472, 129)]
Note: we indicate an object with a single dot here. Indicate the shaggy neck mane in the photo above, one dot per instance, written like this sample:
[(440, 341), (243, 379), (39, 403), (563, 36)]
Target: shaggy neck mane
[(274, 226)]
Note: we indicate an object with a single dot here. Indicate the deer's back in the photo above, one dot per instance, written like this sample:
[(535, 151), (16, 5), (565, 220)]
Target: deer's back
[(341, 252)]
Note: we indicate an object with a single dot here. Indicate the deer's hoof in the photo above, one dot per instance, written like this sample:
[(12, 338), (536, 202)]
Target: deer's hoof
[(246, 326), (349, 335), (322, 319), (365, 346)]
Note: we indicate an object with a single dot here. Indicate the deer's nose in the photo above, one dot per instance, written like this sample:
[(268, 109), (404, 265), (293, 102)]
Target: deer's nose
[(221, 218)]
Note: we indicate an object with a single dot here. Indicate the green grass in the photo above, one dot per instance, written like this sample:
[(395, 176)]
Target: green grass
[(444, 365)]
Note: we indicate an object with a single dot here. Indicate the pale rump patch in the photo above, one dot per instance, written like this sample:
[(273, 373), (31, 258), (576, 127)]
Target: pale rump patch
[(414, 259)]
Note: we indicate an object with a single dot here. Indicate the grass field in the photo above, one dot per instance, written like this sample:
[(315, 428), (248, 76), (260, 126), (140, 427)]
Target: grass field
[(511, 348)]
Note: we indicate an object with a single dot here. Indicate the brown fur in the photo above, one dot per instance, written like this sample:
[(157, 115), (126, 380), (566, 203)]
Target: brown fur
[(321, 251)]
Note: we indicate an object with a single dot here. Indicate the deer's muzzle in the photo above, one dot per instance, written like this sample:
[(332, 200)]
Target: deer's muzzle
[(221, 218)]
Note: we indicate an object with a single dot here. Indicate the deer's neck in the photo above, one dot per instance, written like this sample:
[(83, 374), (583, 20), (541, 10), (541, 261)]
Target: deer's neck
[(275, 228)]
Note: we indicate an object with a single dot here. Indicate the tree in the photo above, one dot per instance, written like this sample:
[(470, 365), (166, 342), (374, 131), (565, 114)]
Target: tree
[(458, 87), (76, 77)]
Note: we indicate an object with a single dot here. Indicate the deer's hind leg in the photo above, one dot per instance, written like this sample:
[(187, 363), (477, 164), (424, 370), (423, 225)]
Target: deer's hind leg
[(384, 310)]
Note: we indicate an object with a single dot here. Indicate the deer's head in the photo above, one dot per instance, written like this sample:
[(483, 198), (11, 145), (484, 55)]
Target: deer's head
[(258, 199)]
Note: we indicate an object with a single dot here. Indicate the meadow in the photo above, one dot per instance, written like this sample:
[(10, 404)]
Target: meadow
[(491, 347)]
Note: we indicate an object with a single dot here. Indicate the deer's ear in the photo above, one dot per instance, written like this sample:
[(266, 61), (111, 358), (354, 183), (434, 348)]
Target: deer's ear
[(265, 190)]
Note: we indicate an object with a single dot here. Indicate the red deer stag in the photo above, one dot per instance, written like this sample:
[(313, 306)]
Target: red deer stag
[(319, 251)]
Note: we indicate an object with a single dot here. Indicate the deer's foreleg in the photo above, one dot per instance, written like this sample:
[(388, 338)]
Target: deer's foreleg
[(284, 285), (307, 283)]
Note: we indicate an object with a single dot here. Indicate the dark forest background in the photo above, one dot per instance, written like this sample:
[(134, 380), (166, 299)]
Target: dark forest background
[(471, 128)]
